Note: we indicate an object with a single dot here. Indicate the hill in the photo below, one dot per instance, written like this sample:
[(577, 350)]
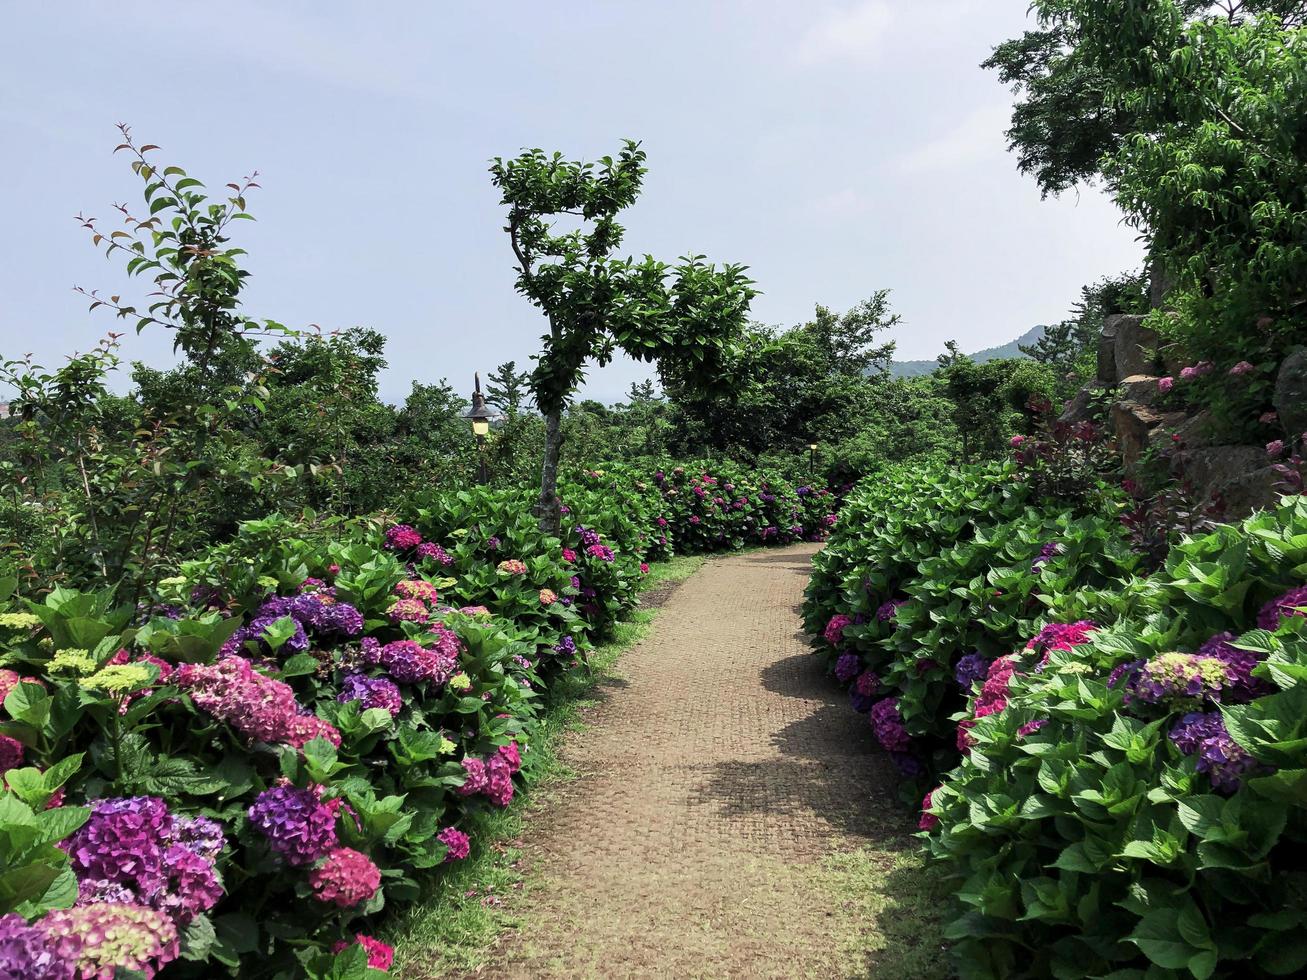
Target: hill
[(914, 369)]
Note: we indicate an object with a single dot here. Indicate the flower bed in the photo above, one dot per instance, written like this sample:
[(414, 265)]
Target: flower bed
[(1115, 770), (301, 726)]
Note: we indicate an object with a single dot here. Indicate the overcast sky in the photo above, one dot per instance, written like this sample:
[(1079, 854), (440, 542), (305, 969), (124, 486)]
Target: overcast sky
[(833, 147)]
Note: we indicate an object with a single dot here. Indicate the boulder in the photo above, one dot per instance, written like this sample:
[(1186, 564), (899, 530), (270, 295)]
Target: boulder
[(1140, 388), (1080, 408), (1196, 431), (1240, 477), (1134, 347), (1291, 394), (1107, 349), (1134, 425)]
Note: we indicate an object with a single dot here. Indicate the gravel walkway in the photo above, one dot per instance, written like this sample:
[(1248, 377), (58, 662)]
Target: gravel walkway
[(718, 772)]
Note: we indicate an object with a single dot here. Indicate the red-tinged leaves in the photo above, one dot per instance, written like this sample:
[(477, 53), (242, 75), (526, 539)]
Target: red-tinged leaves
[(148, 147)]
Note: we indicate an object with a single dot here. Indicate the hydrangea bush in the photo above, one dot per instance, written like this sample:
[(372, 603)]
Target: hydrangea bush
[(275, 748)]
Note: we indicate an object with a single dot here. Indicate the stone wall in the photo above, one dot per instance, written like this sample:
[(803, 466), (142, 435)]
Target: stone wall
[(1131, 361)]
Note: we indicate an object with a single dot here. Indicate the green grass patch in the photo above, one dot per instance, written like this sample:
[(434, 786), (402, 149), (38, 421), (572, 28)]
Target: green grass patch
[(897, 901), (467, 907)]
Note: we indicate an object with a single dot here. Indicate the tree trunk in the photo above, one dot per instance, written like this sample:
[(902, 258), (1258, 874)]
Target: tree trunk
[(547, 507)]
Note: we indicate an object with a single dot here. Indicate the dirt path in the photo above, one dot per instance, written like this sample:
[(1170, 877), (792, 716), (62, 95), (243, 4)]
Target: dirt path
[(720, 771)]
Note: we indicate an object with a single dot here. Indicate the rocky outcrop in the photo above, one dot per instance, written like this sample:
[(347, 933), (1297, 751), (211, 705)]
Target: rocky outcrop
[(1134, 425), (1291, 394), (1239, 477), (1134, 347)]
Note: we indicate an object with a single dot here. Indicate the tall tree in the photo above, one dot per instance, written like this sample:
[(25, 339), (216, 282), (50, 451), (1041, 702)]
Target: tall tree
[(506, 387), (682, 317)]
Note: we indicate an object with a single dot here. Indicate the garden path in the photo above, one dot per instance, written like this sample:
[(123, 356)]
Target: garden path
[(716, 779)]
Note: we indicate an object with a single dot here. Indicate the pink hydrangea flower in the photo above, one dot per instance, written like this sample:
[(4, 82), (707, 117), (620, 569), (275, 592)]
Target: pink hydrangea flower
[(346, 878), (513, 566), (928, 820), (1166, 384), (259, 707), (569, 555), (834, 632), (1275, 449), (1242, 368), (380, 956), (548, 597), (458, 843)]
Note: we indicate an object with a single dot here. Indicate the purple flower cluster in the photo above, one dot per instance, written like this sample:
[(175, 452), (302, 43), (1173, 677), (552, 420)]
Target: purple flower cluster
[(887, 723), (133, 849), (908, 765), (492, 777), (371, 692), (1224, 760), (1240, 685), (847, 667), (429, 549), (409, 662), (28, 953), (887, 609), (1292, 603), (316, 611), (565, 647), (458, 844), (299, 826), (1046, 553), (402, 537), (587, 536), (971, 668), (834, 632), (602, 552)]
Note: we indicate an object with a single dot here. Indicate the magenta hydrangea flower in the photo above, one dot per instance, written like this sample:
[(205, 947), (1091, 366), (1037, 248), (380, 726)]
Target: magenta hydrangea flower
[(459, 844), (510, 754), (259, 707), (346, 878), (928, 820), (402, 537), (429, 549), (602, 552), (1224, 760), (569, 555), (867, 683), (371, 692), (847, 667), (1030, 727), (499, 780), (1292, 603), (192, 886), (888, 726), (299, 827), (11, 753), (1165, 384), (380, 956), (476, 777), (122, 842), (409, 662), (1242, 368), (1061, 636), (201, 835), (834, 632)]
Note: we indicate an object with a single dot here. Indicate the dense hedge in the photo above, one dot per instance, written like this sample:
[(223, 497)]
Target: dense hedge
[(308, 719), (1119, 758)]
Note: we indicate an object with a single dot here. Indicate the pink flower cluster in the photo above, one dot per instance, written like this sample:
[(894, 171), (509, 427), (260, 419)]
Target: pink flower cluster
[(346, 878), (417, 597), (380, 956), (834, 632), (1061, 636), (492, 777), (548, 597), (1197, 370), (459, 844), (513, 566), (991, 700), (260, 708), (928, 820)]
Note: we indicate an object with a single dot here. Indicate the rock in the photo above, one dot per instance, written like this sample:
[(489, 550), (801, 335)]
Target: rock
[(1134, 347), (1134, 425), (1140, 388), (1107, 349), (1290, 396), (1081, 407), (1196, 431), (1240, 477)]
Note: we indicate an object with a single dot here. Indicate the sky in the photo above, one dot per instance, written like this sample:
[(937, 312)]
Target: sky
[(835, 148)]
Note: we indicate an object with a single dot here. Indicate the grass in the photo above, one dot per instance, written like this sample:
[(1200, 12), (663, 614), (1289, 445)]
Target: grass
[(897, 901), (453, 930)]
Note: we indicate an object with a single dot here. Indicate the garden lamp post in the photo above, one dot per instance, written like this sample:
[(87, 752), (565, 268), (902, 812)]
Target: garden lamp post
[(480, 415), (812, 458)]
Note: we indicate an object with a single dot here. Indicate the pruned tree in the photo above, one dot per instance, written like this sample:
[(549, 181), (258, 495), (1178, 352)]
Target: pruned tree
[(682, 317)]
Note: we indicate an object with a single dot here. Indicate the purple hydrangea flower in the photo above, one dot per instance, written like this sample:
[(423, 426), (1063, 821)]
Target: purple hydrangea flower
[(888, 726), (199, 835), (847, 667), (566, 646), (887, 609), (971, 668), (1046, 553), (26, 953), (372, 692), (1239, 664), (123, 842), (1292, 603), (861, 703), (1172, 676), (908, 765), (1224, 760), (867, 683), (299, 827)]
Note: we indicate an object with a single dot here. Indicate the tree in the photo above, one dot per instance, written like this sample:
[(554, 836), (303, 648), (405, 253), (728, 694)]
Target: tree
[(507, 387), (684, 318)]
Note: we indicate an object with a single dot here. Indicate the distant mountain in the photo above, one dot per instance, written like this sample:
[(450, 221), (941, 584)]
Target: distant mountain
[(914, 369)]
